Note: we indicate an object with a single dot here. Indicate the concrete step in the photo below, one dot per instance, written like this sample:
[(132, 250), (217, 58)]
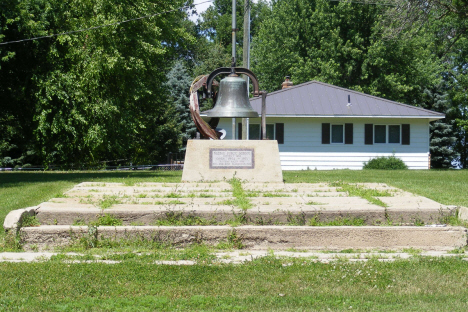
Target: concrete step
[(257, 237), (266, 214)]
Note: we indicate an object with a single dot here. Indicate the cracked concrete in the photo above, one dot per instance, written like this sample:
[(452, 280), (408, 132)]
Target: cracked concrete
[(273, 205)]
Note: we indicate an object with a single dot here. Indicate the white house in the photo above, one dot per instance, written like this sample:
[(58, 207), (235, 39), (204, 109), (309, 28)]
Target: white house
[(321, 126)]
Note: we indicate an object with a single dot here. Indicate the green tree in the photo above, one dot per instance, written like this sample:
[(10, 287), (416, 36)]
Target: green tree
[(94, 95), (18, 66), (447, 21), (340, 43), (216, 24), (407, 17)]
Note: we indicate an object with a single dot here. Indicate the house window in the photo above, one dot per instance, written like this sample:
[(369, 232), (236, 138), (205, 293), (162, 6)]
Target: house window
[(380, 134), (394, 134), (337, 134), (270, 131), (254, 132), (387, 134), (273, 132)]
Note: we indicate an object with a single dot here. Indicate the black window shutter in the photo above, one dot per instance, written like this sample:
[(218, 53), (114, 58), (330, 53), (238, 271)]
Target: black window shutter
[(280, 133), (405, 134), (239, 131), (369, 134), (348, 136), (325, 133)]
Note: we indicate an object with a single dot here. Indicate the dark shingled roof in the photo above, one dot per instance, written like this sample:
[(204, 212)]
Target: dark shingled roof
[(318, 99)]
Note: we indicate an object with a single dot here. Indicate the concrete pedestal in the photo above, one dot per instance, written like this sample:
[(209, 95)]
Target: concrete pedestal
[(250, 160)]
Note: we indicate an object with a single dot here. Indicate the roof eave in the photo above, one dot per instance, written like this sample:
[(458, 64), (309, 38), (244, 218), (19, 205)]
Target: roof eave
[(431, 118)]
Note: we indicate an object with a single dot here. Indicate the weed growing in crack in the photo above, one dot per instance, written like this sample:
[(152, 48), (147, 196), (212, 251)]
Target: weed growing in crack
[(263, 221), (27, 220), (241, 199), (460, 250), (108, 220), (79, 222), (108, 201), (227, 202), (170, 202), (341, 221), (180, 218), (12, 242), (90, 239), (367, 194), (451, 218), (296, 219), (233, 241), (315, 203), (173, 195), (418, 221), (202, 195), (269, 194)]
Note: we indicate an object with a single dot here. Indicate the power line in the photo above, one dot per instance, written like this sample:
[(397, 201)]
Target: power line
[(102, 26), (365, 2)]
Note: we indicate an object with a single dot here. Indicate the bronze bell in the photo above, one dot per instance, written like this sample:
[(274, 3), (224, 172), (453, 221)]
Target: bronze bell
[(232, 100)]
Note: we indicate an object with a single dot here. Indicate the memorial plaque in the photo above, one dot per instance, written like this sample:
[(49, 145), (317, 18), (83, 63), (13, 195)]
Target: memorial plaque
[(222, 158)]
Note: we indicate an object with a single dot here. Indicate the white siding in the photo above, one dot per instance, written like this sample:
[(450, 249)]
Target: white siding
[(303, 148)]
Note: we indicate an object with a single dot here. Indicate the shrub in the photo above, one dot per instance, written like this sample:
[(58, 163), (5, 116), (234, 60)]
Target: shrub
[(387, 163)]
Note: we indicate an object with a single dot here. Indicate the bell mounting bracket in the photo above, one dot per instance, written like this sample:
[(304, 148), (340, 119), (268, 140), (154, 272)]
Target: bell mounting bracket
[(232, 71)]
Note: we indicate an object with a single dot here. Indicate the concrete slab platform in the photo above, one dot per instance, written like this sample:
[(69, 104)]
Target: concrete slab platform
[(140, 204), (243, 256)]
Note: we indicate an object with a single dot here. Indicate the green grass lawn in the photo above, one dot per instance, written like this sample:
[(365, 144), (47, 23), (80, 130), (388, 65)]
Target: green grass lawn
[(267, 284)]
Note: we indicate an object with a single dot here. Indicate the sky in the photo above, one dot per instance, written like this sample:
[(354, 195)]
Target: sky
[(203, 6)]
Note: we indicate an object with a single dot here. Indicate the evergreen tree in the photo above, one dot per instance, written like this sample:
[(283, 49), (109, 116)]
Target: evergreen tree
[(178, 84), (462, 143), (459, 94), (442, 136)]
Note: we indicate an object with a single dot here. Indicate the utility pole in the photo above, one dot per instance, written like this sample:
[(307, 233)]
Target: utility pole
[(234, 30), (246, 61)]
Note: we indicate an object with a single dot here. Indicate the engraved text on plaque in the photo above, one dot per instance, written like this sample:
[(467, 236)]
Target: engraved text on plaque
[(221, 158)]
